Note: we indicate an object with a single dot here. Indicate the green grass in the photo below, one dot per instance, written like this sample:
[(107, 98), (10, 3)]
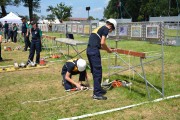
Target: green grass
[(42, 84)]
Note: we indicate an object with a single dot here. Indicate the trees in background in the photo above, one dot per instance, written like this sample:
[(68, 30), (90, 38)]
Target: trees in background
[(141, 10), (4, 3), (138, 10), (61, 11), (50, 17), (32, 5)]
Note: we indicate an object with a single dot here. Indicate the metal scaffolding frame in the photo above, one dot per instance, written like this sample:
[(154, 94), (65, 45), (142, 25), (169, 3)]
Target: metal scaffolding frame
[(132, 68)]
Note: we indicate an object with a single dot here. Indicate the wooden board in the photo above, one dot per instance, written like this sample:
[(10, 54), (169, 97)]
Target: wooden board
[(132, 53), (12, 69)]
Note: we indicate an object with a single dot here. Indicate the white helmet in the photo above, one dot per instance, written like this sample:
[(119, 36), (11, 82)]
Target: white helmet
[(81, 64), (112, 21)]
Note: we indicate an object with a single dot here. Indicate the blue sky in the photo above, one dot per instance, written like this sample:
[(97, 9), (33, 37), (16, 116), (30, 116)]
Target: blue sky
[(78, 7)]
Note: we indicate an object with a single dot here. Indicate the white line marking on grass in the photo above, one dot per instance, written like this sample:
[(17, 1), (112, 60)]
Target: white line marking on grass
[(118, 109)]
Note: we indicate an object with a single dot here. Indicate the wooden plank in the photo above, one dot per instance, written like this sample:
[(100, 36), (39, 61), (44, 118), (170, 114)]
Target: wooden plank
[(12, 69), (133, 53)]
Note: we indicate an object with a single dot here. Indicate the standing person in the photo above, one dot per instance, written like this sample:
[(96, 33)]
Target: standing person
[(97, 41), (1, 26), (0, 45), (6, 27), (74, 67), (15, 29), (25, 33), (35, 43), (10, 33)]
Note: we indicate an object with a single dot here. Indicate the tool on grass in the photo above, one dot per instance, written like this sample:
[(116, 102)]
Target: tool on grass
[(77, 89), (42, 62), (16, 66), (115, 83), (8, 48), (55, 56)]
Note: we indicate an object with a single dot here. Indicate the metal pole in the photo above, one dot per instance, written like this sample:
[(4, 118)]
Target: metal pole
[(145, 78), (116, 55), (162, 52), (89, 23), (178, 29)]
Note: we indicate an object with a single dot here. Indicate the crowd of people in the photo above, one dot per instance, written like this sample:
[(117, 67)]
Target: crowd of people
[(97, 41), (33, 43), (10, 31)]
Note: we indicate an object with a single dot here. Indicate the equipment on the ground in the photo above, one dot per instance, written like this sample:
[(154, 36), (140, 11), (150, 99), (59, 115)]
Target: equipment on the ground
[(42, 62), (8, 48), (16, 66), (115, 83), (18, 48), (55, 56), (22, 65), (76, 89)]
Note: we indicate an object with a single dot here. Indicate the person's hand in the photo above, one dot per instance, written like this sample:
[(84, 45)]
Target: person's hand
[(114, 50), (110, 50), (79, 86)]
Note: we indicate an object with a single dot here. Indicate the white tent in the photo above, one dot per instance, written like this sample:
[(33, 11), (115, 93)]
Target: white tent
[(11, 18)]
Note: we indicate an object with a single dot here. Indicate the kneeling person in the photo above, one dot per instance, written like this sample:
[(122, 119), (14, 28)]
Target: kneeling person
[(74, 67)]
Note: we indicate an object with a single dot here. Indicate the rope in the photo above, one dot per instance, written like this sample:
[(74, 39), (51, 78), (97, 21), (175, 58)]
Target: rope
[(56, 98)]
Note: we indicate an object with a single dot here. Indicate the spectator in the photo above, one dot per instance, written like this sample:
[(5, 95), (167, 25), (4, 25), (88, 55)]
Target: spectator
[(10, 33), (0, 45), (6, 27), (1, 26), (15, 29), (25, 33), (35, 43)]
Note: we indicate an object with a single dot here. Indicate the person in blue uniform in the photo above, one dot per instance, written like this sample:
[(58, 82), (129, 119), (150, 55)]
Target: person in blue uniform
[(10, 33), (25, 34), (15, 29), (35, 43), (74, 67), (6, 28), (0, 45), (97, 41)]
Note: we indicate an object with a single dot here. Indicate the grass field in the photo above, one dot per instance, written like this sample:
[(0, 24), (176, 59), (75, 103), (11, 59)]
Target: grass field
[(19, 87)]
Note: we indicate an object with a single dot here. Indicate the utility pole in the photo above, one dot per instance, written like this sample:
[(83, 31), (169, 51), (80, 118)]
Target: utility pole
[(87, 9)]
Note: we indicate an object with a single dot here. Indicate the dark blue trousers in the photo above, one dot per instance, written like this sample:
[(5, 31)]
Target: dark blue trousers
[(94, 58), (35, 46), (15, 37), (27, 42), (6, 34), (68, 85), (0, 52)]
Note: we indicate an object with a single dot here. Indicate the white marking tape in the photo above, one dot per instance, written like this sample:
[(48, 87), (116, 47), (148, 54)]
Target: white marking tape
[(118, 109)]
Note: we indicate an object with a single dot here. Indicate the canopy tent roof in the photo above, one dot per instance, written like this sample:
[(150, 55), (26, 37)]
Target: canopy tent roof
[(11, 18)]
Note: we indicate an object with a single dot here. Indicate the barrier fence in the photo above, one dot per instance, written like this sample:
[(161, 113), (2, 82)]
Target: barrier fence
[(146, 31)]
